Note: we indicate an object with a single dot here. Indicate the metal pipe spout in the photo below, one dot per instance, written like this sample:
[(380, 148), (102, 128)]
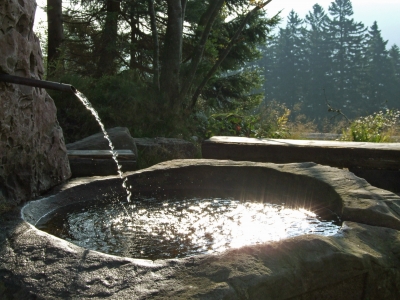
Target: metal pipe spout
[(38, 83)]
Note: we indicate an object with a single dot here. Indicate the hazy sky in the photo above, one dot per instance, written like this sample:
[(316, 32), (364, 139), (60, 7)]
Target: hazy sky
[(385, 12)]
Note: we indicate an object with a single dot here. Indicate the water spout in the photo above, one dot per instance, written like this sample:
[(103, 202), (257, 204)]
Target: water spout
[(70, 89), (38, 83)]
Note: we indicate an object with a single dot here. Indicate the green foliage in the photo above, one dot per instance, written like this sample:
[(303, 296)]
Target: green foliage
[(121, 100), (287, 69), (274, 118), (376, 128), (394, 56), (268, 121), (117, 74), (380, 81), (231, 92), (124, 100), (231, 124)]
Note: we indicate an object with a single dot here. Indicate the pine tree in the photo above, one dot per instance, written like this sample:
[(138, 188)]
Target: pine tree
[(318, 54), (394, 55), (347, 39), (379, 77), (183, 50), (286, 83), (332, 53), (267, 64)]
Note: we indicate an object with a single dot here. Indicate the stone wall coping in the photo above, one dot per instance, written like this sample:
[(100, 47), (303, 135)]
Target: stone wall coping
[(305, 143), (332, 153)]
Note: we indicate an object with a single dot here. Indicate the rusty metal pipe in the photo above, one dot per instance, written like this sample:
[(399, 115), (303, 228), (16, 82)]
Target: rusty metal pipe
[(38, 83)]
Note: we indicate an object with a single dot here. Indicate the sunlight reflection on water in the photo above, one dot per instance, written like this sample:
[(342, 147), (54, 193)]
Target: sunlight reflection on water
[(180, 228)]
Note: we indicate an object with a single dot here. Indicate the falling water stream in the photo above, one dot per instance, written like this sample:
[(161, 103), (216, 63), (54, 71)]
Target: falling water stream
[(114, 153)]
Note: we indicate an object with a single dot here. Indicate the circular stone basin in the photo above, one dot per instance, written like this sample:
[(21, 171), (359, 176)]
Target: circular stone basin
[(360, 261)]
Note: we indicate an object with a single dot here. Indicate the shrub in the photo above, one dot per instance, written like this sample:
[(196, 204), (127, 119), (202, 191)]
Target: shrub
[(269, 120), (377, 128), (120, 100), (300, 126)]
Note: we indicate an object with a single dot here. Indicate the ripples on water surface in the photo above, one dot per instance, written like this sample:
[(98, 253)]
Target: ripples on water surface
[(179, 228)]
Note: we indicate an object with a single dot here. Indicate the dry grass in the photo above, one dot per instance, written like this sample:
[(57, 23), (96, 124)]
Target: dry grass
[(300, 127)]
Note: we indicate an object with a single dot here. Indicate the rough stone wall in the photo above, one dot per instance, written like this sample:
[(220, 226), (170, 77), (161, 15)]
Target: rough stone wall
[(33, 156)]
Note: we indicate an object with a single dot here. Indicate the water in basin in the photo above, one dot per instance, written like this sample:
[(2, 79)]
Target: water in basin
[(182, 227)]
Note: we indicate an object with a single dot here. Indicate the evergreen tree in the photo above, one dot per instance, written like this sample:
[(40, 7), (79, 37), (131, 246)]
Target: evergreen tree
[(347, 39), (332, 53), (318, 56), (379, 75), (394, 55), (182, 44), (267, 64), (178, 51), (286, 83)]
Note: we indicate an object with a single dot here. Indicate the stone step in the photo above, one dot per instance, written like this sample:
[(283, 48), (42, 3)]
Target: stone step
[(100, 162)]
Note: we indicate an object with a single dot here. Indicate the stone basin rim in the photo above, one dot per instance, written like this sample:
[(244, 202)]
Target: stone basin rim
[(359, 201)]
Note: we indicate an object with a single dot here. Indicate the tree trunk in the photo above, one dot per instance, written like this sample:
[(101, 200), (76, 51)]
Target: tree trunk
[(206, 22), (55, 33), (133, 45), (172, 55), (156, 50), (108, 52)]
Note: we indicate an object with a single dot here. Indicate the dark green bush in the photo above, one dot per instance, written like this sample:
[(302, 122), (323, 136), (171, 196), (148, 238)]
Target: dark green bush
[(120, 100), (269, 120)]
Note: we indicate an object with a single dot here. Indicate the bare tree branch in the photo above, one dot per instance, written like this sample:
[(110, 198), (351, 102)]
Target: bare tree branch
[(211, 15), (337, 111)]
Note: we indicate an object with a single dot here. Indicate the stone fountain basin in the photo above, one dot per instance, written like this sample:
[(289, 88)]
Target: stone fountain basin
[(361, 261)]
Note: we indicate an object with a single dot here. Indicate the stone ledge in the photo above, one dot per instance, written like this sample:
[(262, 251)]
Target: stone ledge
[(100, 162), (148, 151), (378, 163), (332, 153), (122, 154)]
